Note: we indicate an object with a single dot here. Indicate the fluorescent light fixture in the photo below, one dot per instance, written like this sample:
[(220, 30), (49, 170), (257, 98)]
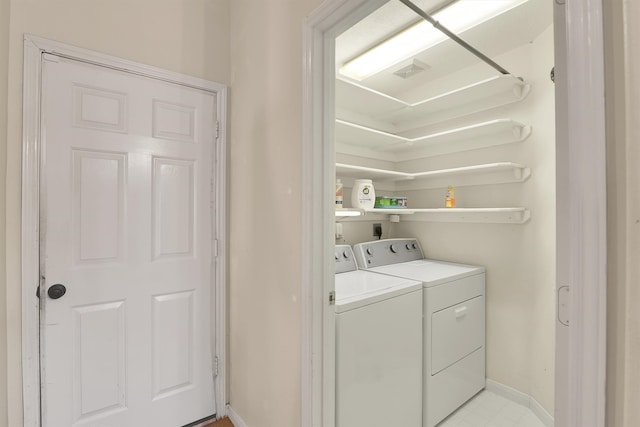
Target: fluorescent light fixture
[(459, 17)]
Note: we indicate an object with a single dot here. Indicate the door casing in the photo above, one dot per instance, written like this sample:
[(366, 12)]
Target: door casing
[(580, 394), (34, 47)]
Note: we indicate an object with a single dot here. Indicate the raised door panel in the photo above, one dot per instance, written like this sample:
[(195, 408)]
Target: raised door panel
[(99, 206), (99, 355), (174, 122), (100, 109), (173, 207), (173, 350)]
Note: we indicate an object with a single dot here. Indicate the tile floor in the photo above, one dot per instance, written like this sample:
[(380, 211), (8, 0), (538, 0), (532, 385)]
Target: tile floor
[(489, 409)]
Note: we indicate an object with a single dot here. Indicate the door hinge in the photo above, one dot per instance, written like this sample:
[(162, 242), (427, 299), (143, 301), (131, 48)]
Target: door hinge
[(332, 298), (215, 366), (215, 248), (217, 129)]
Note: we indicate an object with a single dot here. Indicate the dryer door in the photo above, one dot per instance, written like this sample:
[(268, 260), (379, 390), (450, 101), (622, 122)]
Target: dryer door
[(456, 332)]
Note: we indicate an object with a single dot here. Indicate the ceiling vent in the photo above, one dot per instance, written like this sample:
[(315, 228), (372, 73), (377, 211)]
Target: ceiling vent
[(412, 69)]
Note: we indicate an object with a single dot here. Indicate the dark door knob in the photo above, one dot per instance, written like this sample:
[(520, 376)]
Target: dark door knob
[(56, 291)]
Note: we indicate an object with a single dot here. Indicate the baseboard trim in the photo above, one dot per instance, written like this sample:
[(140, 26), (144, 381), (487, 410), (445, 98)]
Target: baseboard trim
[(539, 411), (507, 392), (521, 398), (235, 418)]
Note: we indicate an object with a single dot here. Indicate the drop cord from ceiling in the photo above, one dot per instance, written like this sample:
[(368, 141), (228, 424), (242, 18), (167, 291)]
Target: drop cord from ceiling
[(453, 36)]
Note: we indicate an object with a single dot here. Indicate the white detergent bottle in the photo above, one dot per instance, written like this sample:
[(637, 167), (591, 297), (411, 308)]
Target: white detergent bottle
[(363, 196)]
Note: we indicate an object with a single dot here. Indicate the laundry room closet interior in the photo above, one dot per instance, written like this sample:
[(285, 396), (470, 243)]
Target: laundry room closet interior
[(421, 122)]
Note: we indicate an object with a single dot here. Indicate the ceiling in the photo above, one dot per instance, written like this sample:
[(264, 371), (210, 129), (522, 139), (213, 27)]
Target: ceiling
[(512, 29)]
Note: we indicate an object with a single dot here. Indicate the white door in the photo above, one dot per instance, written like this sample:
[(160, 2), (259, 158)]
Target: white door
[(126, 225)]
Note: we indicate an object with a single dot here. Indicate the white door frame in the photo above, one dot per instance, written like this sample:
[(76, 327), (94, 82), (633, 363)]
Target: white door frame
[(34, 47), (583, 182)]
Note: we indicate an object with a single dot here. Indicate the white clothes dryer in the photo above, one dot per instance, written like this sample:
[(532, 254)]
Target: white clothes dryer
[(454, 321), (378, 347)]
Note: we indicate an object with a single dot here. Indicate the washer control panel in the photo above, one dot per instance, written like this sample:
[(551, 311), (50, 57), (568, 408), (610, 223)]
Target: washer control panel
[(388, 251), (345, 261)]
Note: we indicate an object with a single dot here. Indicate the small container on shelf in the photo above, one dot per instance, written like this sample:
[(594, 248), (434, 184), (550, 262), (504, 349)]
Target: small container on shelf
[(450, 198), (363, 195), (339, 195), (385, 202), (382, 202)]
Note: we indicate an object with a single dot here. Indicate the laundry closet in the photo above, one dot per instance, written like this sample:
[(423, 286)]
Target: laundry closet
[(442, 120)]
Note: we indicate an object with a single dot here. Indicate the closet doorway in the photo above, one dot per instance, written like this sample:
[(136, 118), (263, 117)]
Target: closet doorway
[(574, 402)]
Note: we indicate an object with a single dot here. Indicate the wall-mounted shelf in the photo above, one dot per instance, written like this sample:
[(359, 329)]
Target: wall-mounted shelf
[(473, 215), (491, 173), (480, 96), (364, 112), (349, 213), (399, 148), (476, 215), (363, 172)]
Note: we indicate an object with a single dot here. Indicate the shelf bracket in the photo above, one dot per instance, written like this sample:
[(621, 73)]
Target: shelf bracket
[(522, 174)]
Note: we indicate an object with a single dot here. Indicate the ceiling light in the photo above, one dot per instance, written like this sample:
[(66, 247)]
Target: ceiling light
[(459, 17)]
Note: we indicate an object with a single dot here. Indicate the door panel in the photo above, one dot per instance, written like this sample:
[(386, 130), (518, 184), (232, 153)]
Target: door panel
[(172, 343), (173, 209), (98, 208), (126, 215), (99, 351)]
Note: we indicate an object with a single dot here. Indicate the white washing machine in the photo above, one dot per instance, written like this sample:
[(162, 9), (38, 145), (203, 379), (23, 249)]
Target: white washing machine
[(378, 347), (454, 321)]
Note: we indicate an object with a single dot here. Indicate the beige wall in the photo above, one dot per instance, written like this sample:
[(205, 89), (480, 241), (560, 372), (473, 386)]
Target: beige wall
[(4, 68), (622, 48), (265, 173), (190, 37)]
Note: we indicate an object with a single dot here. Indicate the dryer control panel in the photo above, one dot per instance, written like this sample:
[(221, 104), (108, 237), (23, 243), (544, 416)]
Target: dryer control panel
[(345, 261), (388, 251)]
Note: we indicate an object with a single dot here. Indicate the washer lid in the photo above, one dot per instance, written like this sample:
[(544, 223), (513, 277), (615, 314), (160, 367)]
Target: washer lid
[(359, 288), (429, 272)]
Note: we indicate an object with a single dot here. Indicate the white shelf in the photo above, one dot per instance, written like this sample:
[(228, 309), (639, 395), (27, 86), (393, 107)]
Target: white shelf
[(353, 171), (406, 142), (349, 213), (480, 96), (475, 215), (472, 215), (491, 173), (396, 147)]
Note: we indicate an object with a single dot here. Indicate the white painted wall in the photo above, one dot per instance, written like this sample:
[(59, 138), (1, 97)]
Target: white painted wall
[(190, 37), (265, 174), (4, 69)]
